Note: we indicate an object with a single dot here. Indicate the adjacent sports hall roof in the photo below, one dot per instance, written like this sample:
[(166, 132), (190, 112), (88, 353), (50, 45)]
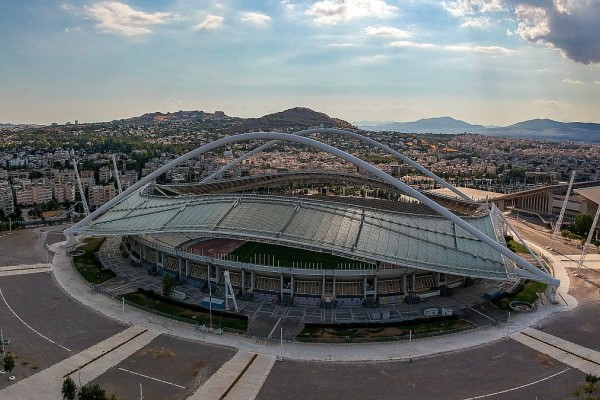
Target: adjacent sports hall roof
[(417, 241)]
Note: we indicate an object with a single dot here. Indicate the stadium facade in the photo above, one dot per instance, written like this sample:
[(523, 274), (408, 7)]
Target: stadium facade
[(391, 251)]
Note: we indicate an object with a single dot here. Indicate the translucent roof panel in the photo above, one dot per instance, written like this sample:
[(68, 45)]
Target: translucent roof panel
[(415, 241), (261, 216)]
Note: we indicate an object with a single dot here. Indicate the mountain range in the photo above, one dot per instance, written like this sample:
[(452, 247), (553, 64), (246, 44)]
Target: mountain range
[(299, 118), (534, 129)]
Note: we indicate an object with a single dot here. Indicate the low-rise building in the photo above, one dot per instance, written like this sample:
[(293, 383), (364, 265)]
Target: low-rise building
[(100, 194)]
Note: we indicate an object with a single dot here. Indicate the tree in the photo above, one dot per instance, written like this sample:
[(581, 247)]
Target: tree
[(582, 224), (69, 389), (8, 362), (169, 284), (94, 392), (592, 378), (35, 174)]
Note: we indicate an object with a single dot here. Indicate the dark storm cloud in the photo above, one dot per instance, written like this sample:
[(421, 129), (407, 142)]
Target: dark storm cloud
[(571, 26)]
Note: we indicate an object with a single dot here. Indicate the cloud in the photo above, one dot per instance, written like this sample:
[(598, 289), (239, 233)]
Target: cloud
[(288, 5), (210, 22), (550, 103), (372, 59), (340, 44), (489, 50), (334, 11), (404, 43), (597, 82), (255, 18), (480, 22), (388, 32), (566, 25), (465, 8), (547, 69), (120, 18), (573, 81)]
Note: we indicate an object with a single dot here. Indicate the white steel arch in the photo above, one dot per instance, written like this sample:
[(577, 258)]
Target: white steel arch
[(343, 132), (528, 270)]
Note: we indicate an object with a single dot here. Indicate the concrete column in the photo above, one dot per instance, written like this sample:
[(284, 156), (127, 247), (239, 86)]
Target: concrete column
[(365, 287), (243, 280), (333, 291), (252, 280), (187, 267), (181, 266), (292, 284), (414, 281), (375, 285), (323, 287), (404, 283), (217, 273), (208, 273), (437, 279), (281, 283)]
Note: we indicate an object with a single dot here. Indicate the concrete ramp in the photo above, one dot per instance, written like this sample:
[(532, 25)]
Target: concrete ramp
[(239, 378)]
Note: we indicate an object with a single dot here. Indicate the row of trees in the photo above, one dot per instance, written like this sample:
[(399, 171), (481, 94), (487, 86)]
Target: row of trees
[(69, 391), (588, 389)]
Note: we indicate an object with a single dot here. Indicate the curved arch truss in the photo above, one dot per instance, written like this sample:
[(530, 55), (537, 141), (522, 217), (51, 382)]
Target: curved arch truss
[(461, 241)]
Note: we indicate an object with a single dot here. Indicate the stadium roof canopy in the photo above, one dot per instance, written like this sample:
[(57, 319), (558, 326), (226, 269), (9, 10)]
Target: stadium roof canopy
[(417, 241), (440, 245)]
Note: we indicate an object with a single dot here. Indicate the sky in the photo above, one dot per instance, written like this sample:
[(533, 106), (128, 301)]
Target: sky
[(490, 62)]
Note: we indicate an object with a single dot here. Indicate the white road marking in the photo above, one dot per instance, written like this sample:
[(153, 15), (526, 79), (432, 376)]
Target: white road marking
[(154, 379), (27, 325), (518, 387), (480, 313)]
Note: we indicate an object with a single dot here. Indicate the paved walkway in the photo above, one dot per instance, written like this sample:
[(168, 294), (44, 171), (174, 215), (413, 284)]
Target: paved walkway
[(70, 280), (574, 355), (82, 367), (25, 269), (239, 378)]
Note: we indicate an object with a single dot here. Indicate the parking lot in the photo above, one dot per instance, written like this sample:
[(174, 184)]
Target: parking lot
[(168, 368), (46, 325)]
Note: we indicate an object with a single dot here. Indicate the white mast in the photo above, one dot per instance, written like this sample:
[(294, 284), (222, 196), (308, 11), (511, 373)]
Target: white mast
[(81, 192), (562, 213), (229, 294), (588, 241), (117, 173)]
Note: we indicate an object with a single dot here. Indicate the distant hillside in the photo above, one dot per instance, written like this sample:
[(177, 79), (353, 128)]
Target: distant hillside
[(534, 129), (546, 124), (294, 119), (427, 125), (151, 118)]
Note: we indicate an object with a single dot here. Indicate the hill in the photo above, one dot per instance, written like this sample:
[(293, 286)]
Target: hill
[(428, 125), (541, 129), (293, 119)]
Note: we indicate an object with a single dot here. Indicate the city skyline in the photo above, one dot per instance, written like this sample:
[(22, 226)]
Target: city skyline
[(487, 62)]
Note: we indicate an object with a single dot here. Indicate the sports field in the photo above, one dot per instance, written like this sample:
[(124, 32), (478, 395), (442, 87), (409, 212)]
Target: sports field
[(289, 257)]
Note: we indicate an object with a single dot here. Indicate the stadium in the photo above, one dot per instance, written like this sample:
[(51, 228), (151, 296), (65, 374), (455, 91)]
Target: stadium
[(278, 245)]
